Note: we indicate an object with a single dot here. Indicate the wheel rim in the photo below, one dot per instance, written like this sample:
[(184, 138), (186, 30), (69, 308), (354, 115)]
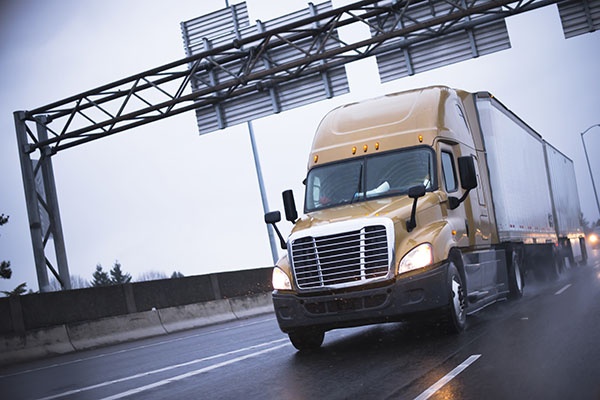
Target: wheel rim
[(458, 299)]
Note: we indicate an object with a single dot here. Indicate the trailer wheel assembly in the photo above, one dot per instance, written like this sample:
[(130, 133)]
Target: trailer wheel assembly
[(515, 277)]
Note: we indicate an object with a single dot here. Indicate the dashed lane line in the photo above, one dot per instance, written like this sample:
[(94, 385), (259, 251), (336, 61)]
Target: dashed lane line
[(563, 289), (447, 378), (191, 373), (171, 367)]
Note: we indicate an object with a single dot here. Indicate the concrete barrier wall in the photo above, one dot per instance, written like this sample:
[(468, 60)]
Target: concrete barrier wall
[(172, 292), (34, 344), (43, 324), (44, 310), (6, 322), (66, 338), (195, 315)]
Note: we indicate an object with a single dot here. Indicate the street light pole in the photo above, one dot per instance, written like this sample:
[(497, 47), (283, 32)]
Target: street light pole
[(589, 166)]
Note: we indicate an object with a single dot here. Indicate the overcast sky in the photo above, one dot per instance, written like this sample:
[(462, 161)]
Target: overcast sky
[(163, 198)]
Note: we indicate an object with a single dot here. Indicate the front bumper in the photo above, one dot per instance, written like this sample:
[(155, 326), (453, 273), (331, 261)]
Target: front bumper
[(401, 299)]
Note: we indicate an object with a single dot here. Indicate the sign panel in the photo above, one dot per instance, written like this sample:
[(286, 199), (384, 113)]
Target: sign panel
[(288, 88), (579, 17), (435, 46)]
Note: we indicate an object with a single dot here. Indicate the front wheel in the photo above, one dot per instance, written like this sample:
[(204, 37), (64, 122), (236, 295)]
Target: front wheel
[(456, 314), (307, 339)]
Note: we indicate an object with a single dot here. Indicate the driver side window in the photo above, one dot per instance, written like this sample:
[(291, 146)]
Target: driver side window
[(449, 172)]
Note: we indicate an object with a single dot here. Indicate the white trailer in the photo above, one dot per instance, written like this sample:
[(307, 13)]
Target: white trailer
[(534, 190)]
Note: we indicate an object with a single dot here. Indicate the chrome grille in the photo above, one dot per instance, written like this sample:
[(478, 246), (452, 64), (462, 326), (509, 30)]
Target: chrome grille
[(340, 259)]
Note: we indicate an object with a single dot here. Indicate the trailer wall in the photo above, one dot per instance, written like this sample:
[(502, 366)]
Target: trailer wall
[(561, 176), (517, 168), (565, 200)]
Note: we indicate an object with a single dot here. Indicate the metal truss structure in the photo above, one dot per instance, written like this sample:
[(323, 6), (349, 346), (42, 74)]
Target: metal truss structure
[(243, 68)]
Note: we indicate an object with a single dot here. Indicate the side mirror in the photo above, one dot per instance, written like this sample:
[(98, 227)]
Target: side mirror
[(468, 180), (468, 175), (290, 206), (417, 191), (272, 218)]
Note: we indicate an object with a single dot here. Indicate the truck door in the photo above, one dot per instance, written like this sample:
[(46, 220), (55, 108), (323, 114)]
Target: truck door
[(483, 230), (459, 218), (483, 236)]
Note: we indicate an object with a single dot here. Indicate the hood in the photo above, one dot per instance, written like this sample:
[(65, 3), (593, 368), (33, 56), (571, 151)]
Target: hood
[(395, 208)]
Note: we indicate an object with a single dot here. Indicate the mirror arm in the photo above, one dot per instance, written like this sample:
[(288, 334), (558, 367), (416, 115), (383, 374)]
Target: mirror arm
[(282, 242), (272, 218), (454, 202), (412, 222)]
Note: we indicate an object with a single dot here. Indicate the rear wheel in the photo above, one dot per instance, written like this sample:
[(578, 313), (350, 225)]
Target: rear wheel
[(456, 314), (554, 265), (584, 254), (515, 277), (307, 339)]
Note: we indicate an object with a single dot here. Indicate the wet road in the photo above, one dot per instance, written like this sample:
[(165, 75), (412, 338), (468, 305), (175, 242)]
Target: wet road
[(545, 345)]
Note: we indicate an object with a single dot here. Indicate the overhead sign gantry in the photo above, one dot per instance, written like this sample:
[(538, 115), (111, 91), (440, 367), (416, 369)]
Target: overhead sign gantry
[(265, 69)]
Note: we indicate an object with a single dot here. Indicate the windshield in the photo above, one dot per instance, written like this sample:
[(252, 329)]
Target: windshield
[(366, 178)]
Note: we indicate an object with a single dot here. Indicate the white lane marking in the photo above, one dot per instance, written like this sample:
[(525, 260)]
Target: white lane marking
[(164, 369), (563, 289), (447, 378), (78, 360), (191, 373)]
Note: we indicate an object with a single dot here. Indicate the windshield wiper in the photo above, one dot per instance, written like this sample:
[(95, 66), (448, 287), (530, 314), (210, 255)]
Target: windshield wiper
[(358, 193)]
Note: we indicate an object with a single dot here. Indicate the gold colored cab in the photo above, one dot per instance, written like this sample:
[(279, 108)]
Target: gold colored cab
[(393, 121), (436, 117)]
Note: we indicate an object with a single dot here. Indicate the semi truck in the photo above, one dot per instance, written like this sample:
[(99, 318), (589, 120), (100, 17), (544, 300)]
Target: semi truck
[(431, 203)]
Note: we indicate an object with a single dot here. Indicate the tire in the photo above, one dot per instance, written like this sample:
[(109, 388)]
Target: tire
[(554, 265), (584, 254), (456, 313), (515, 277), (307, 339)]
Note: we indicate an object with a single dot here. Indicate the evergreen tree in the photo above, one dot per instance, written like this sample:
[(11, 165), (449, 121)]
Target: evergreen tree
[(151, 276), (19, 290), (176, 274), (5, 271), (100, 278), (117, 275)]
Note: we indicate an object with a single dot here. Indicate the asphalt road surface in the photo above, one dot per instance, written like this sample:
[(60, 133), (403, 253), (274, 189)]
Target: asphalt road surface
[(543, 346)]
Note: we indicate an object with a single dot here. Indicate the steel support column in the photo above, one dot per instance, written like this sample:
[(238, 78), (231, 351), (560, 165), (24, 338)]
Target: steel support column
[(51, 198), (31, 200), (40, 198), (263, 193)]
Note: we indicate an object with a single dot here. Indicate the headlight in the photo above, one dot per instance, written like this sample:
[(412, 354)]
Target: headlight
[(593, 238), (280, 280), (419, 257)]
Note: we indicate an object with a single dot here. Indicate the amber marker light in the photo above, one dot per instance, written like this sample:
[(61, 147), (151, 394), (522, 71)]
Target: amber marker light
[(376, 145), (420, 138), (316, 158), (353, 149), (365, 148), (453, 232)]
